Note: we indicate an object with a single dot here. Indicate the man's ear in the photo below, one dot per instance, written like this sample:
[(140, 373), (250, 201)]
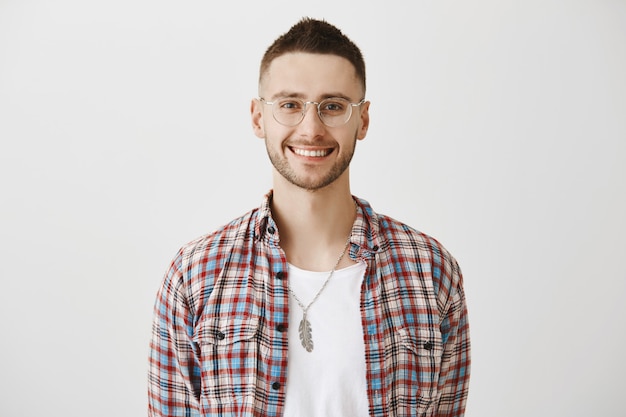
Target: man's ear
[(364, 121), (256, 115)]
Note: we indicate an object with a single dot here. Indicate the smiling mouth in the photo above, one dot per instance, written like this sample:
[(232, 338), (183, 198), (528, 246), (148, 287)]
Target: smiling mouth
[(317, 153)]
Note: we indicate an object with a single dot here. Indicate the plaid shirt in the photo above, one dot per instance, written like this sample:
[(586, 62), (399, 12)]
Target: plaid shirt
[(219, 341)]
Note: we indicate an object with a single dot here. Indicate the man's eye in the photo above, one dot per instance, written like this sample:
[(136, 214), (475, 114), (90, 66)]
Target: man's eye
[(334, 106), (290, 105)]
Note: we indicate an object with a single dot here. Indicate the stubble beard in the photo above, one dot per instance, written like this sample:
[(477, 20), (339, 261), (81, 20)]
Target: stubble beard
[(281, 164)]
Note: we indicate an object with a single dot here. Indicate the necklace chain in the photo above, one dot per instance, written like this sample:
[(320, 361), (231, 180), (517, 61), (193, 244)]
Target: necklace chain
[(306, 337), (305, 309)]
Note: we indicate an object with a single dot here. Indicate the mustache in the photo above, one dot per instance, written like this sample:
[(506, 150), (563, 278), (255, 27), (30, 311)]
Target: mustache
[(309, 144)]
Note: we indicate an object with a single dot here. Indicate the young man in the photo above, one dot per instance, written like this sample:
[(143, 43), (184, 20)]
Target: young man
[(312, 304)]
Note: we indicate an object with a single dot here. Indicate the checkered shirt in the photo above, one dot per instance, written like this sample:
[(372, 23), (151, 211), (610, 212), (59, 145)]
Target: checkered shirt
[(219, 336)]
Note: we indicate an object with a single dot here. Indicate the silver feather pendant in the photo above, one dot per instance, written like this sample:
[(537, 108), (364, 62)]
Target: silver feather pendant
[(306, 336)]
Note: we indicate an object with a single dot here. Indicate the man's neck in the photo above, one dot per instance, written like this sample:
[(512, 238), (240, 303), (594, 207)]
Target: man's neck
[(314, 225)]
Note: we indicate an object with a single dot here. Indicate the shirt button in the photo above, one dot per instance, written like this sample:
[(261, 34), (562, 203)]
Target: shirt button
[(221, 335), (276, 385), (281, 327), (280, 275), (271, 230), (375, 248), (428, 346)]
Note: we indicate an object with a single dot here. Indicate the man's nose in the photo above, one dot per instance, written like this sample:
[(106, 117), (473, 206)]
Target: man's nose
[(311, 119)]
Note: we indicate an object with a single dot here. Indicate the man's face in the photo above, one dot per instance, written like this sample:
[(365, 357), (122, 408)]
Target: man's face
[(310, 155)]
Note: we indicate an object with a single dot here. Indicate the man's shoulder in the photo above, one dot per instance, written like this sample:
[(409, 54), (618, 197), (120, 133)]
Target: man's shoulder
[(223, 238), (399, 232), (401, 236), (416, 249)]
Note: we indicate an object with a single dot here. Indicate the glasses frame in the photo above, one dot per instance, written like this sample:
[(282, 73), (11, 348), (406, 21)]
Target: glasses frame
[(317, 105)]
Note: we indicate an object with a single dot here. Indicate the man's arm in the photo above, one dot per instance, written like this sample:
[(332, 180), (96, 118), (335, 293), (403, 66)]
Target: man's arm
[(174, 371), (455, 364)]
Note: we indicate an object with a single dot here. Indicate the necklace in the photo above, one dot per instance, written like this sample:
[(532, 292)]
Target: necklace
[(305, 331)]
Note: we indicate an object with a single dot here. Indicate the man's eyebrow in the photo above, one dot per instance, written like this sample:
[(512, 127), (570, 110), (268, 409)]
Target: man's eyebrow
[(336, 95), (287, 94), (292, 94)]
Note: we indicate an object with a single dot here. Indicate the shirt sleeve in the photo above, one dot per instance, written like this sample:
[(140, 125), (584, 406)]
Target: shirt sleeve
[(174, 370), (455, 364)]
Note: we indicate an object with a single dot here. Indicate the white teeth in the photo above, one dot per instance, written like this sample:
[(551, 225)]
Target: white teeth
[(305, 152)]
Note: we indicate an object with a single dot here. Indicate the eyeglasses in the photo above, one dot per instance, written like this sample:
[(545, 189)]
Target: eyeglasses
[(333, 112)]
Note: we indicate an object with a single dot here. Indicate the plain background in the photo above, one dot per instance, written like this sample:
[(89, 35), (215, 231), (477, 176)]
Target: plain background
[(498, 127)]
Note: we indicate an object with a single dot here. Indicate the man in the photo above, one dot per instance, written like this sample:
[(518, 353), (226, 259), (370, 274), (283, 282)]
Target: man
[(311, 304)]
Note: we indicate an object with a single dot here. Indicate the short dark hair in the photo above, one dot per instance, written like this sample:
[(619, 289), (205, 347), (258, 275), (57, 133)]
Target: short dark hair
[(317, 37)]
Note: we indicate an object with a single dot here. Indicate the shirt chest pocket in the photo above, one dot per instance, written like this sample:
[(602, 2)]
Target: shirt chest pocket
[(229, 357), (413, 364), (426, 348)]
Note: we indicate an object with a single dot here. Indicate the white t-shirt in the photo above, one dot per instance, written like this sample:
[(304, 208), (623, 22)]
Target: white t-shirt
[(331, 380)]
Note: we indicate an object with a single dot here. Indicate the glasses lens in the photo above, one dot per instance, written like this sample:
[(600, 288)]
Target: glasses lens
[(288, 111), (335, 111)]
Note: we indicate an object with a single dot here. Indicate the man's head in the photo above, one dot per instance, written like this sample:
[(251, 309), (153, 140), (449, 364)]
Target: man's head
[(311, 108), (316, 37)]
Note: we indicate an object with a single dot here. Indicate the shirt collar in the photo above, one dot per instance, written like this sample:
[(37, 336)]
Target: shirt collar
[(365, 239), (265, 228)]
